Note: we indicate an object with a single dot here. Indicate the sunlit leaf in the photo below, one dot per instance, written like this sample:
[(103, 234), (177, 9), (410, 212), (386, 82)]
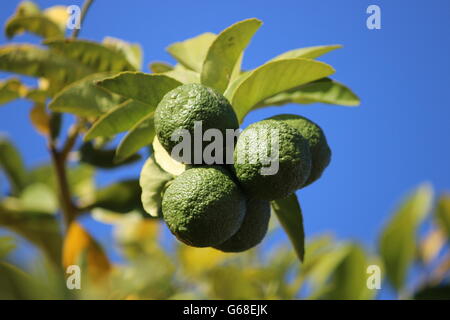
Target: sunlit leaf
[(79, 242), (397, 243), (11, 89), (160, 67), (12, 164), (140, 135), (132, 51), (146, 88), (272, 78), (183, 75), (165, 161), (153, 180), (39, 197), (290, 216), (34, 61), (49, 23), (307, 52), (84, 98), (199, 261), (120, 118), (322, 91), (192, 52), (443, 213), (225, 52), (94, 55)]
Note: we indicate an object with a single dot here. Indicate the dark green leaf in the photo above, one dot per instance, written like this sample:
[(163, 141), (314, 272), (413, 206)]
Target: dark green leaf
[(433, 293), (103, 158), (123, 196), (443, 213), (7, 245), (290, 216), (12, 164)]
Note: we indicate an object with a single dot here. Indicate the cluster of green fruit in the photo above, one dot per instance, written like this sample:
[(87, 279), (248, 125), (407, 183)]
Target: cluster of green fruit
[(227, 206)]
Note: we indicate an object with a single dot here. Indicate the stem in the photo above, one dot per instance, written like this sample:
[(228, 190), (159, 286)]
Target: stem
[(84, 11)]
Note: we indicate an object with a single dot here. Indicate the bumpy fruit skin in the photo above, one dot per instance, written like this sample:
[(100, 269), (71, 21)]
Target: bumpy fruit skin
[(318, 145), (203, 206), (294, 160), (253, 228), (184, 105)]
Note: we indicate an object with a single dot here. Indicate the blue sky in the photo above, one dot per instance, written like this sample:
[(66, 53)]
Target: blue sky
[(396, 139)]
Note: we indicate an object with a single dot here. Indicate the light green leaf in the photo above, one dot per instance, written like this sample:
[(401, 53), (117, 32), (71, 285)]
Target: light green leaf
[(131, 51), (272, 78), (95, 56), (160, 67), (34, 61), (84, 98), (322, 91), (165, 161), (11, 89), (192, 52), (290, 216), (12, 164), (397, 243), (118, 119), (443, 213), (225, 52), (353, 266), (123, 196), (28, 18), (183, 75), (40, 198), (146, 88), (140, 135), (307, 52), (103, 158), (153, 180)]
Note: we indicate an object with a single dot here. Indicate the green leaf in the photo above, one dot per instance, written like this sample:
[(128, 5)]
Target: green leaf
[(290, 216), (123, 196), (146, 88), (28, 18), (39, 198), (103, 158), (12, 164), (441, 292), (322, 91), (397, 243), (353, 266), (443, 213), (225, 52), (118, 119), (84, 98), (95, 56), (131, 51), (192, 52), (272, 78), (307, 52), (153, 180), (7, 244), (183, 75), (10, 89), (140, 135), (160, 67), (30, 60)]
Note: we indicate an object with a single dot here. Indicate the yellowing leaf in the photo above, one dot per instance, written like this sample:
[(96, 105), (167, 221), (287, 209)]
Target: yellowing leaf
[(40, 119), (197, 261), (443, 213), (79, 242)]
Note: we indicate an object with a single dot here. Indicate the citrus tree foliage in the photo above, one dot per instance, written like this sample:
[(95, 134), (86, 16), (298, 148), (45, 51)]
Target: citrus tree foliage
[(102, 85)]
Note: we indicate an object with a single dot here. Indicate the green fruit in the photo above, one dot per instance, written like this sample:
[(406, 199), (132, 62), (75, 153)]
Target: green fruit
[(294, 160), (320, 151), (181, 107), (203, 206), (253, 228)]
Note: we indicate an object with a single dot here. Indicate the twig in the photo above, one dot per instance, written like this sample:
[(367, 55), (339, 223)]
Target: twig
[(84, 11)]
